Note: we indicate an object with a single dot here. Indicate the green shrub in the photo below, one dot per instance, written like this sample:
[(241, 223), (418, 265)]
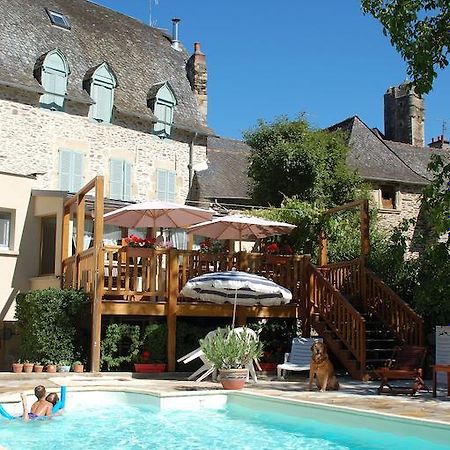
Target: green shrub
[(50, 323)]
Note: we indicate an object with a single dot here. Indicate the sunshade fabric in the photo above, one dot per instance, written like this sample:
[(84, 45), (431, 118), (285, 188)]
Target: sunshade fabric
[(237, 287), (157, 214), (240, 227)]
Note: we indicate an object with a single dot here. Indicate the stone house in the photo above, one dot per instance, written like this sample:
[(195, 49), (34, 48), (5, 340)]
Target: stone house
[(87, 91)]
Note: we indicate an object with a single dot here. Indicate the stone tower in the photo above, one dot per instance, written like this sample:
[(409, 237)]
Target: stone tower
[(198, 77), (404, 115)]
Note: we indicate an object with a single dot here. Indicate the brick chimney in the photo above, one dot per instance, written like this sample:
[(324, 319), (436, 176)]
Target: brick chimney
[(404, 115), (198, 77), (440, 142)]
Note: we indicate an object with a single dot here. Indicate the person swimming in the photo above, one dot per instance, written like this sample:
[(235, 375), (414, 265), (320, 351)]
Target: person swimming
[(40, 408), (52, 398)]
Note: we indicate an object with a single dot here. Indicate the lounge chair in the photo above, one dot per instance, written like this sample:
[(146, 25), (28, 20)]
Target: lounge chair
[(405, 364), (299, 357)]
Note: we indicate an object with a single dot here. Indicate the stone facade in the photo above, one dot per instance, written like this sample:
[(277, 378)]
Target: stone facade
[(198, 78), (33, 137)]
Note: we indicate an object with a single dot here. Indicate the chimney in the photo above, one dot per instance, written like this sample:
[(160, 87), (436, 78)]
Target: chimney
[(198, 77), (440, 142), (404, 115), (175, 40)]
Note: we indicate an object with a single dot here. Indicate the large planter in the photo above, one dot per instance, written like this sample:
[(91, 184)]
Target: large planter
[(150, 368), (233, 379), (268, 366), (28, 367), (276, 259), (133, 252), (17, 367)]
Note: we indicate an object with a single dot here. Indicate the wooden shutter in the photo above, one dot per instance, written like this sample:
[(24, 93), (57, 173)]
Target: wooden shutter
[(55, 84), (161, 184), (65, 170), (127, 180), (171, 186), (103, 97), (116, 182), (77, 177), (5, 229), (160, 115)]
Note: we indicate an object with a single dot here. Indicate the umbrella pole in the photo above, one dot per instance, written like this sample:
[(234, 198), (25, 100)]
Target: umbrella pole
[(240, 240), (234, 310)]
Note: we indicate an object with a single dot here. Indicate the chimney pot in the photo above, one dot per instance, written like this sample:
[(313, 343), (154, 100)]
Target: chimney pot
[(175, 40), (197, 47)]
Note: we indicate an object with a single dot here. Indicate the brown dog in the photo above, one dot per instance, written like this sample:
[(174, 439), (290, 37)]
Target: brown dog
[(322, 369)]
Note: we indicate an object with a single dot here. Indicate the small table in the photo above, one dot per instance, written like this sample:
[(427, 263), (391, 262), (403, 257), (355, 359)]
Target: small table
[(441, 368)]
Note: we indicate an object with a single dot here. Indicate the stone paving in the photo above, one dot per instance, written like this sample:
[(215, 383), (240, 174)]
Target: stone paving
[(353, 394)]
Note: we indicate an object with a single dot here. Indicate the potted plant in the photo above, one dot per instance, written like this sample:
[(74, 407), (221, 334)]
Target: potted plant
[(50, 367), (28, 366), (17, 367), (64, 366), (151, 360), (231, 353), (38, 367), (135, 244), (78, 367)]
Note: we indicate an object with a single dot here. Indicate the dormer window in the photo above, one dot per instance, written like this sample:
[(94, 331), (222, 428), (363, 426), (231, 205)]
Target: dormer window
[(161, 99), (52, 71), (58, 19), (100, 82)]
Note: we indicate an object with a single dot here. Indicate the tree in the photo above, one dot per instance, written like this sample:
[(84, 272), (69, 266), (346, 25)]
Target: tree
[(290, 158), (420, 31)]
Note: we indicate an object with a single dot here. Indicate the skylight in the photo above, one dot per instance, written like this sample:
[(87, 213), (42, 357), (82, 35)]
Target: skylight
[(58, 19)]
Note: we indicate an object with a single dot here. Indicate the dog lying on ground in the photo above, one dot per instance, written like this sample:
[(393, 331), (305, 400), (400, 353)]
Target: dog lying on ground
[(322, 369)]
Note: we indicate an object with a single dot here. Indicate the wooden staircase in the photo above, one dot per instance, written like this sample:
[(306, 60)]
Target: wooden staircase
[(360, 318)]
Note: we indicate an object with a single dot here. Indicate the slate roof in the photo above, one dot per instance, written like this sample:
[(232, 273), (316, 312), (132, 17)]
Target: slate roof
[(139, 55), (226, 176), (377, 159)]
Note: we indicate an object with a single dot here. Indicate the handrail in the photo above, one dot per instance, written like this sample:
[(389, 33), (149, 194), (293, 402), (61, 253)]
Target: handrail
[(344, 276), (381, 300), (345, 321)]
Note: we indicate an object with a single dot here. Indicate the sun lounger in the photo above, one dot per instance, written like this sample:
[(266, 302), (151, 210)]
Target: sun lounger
[(299, 357)]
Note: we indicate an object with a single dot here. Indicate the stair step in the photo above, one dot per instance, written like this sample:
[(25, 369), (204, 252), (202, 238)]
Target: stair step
[(390, 350), (381, 340)]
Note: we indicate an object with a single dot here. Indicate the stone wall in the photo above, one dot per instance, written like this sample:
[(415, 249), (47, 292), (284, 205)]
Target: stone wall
[(31, 138)]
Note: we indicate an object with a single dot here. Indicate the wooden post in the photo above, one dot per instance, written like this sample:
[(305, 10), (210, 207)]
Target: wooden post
[(241, 315), (99, 274), (172, 310), (323, 252), (81, 211), (365, 235), (65, 233)]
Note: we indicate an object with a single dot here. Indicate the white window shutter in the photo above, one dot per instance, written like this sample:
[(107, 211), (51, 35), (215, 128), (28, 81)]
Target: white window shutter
[(171, 186), (161, 184), (5, 229), (65, 170), (77, 175), (127, 177), (116, 181)]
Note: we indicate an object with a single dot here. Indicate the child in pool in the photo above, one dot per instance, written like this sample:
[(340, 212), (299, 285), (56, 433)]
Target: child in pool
[(40, 408)]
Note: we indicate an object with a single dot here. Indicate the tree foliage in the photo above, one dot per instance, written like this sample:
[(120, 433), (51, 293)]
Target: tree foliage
[(290, 158), (420, 31)]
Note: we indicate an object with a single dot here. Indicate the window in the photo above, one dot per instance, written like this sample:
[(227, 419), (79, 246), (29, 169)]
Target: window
[(120, 180), (52, 72), (70, 170), (162, 101), (388, 197), (165, 185), (100, 83), (58, 19), (6, 230), (48, 245)]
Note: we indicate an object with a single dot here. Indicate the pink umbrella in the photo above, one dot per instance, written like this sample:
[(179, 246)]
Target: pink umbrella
[(155, 214), (238, 227)]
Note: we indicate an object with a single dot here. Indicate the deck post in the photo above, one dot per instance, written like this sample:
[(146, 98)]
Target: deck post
[(99, 275), (323, 252), (172, 310), (79, 245), (365, 234)]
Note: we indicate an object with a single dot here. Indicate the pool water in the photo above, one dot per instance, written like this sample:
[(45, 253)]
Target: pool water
[(143, 425)]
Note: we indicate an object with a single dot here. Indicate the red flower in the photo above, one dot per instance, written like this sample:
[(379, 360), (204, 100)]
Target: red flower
[(272, 248)]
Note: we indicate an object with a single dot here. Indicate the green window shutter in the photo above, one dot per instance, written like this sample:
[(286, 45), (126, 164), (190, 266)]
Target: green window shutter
[(77, 179), (161, 184), (160, 114), (116, 179), (103, 97), (171, 186), (55, 85), (126, 180), (65, 170)]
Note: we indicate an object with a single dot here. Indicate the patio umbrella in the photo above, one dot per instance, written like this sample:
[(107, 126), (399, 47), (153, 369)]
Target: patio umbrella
[(241, 288), (156, 214), (238, 227)]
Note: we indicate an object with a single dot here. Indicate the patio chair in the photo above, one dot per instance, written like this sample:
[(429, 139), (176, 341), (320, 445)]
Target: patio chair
[(299, 357), (406, 364)]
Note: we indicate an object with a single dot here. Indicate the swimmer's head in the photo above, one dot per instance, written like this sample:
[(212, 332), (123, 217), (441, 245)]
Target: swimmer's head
[(39, 391), (52, 398)]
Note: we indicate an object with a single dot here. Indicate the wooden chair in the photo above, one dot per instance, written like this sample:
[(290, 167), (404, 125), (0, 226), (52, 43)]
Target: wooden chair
[(406, 364)]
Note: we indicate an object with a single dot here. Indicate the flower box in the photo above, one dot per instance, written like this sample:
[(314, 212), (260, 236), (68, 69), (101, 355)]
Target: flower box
[(143, 252), (150, 367)]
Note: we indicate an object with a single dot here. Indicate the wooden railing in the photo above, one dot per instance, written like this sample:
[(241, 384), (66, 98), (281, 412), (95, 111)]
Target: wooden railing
[(340, 316), (78, 272), (344, 276), (381, 300)]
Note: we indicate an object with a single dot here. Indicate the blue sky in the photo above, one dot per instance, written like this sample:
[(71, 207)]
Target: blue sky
[(271, 58)]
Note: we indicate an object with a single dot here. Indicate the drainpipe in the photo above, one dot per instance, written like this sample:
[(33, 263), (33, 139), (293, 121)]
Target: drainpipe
[(191, 159)]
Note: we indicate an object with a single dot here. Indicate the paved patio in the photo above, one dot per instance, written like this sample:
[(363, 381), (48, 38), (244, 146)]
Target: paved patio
[(353, 394)]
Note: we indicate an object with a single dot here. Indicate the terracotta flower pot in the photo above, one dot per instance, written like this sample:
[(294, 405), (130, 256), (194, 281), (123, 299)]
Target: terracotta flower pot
[(38, 368), (51, 368), (17, 367), (268, 366), (233, 379), (150, 367), (28, 367), (78, 368)]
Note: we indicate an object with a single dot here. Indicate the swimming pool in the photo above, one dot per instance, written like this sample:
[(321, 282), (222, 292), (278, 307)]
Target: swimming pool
[(119, 420)]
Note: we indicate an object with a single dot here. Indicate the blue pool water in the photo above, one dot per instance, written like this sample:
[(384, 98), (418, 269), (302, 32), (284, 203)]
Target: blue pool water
[(133, 424)]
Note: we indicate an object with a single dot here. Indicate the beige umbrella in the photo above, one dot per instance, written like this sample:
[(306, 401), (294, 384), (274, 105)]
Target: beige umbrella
[(238, 227)]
